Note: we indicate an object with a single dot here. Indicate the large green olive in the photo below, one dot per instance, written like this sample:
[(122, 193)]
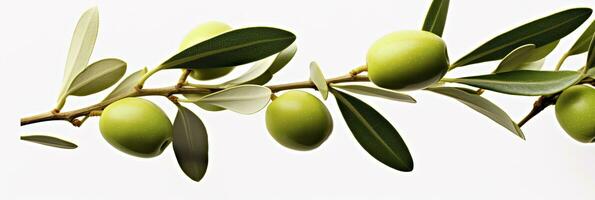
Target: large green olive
[(407, 60), (575, 111), (298, 120), (201, 33), (136, 126)]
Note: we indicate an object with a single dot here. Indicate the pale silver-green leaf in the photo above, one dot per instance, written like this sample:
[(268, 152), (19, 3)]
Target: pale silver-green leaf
[(482, 106), (49, 141), (97, 77), (81, 47), (257, 70), (524, 82), (243, 99), (376, 92), (514, 59), (317, 77), (582, 43), (127, 85)]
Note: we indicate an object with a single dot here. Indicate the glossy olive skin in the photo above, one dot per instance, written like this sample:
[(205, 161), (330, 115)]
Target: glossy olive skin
[(299, 121), (575, 111), (136, 126), (407, 60), (201, 33)]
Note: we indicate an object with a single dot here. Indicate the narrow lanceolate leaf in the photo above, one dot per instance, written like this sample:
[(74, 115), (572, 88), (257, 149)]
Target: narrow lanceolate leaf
[(232, 48), (524, 82), (515, 59), (243, 99), (376, 92), (81, 47), (283, 58), (436, 17), (482, 106), (191, 145), (317, 77), (97, 77), (127, 85), (263, 70), (257, 70), (539, 32), (49, 141), (582, 44), (374, 133), (591, 55)]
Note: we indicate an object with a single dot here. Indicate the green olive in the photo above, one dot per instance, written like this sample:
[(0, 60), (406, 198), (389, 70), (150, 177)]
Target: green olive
[(575, 111), (201, 33), (407, 60), (136, 126), (298, 120)]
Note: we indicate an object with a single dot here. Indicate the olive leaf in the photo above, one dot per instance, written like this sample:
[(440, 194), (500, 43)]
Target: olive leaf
[(582, 43), (482, 106), (97, 77), (519, 59), (436, 17), (81, 47), (243, 99), (190, 144), (515, 59), (523, 82), (591, 55), (539, 32), (263, 70), (374, 133), (127, 85), (376, 92), (317, 77), (232, 48), (49, 141)]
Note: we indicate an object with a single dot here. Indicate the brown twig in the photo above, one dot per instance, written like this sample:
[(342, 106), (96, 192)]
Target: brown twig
[(547, 100), (168, 92)]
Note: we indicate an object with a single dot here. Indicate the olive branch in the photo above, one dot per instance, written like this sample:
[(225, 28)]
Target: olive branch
[(520, 52)]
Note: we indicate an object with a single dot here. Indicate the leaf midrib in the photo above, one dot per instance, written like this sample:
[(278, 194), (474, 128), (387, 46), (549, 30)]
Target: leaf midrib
[(369, 127), (466, 61), (92, 78), (217, 51)]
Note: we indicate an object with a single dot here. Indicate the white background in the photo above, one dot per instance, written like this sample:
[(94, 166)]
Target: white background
[(458, 153)]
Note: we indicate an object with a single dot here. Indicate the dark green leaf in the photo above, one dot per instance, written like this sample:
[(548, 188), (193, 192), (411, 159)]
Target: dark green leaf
[(49, 141), (524, 82), (436, 17), (582, 44), (482, 106), (591, 55), (232, 48), (374, 133), (127, 85), (539, 32), (190, 143), (97, 77)]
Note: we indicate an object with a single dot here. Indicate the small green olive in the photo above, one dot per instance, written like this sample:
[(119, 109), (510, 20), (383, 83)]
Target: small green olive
[(575, 111), (136, 126), (407, 60), (299, 121), (201, 33)]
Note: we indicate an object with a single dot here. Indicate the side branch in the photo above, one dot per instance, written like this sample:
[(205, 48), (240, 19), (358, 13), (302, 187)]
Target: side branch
[(547, 100)]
